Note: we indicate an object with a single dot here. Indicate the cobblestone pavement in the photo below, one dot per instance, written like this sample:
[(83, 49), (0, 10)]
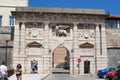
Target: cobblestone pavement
[(71, 77), (29, 77), (55, 77)]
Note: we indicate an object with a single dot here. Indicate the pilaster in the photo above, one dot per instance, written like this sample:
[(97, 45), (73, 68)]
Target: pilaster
[(97, 47), (103, 35), (16, 43), (46, 37), (75, 47), (46, 49), (101, 50), (104, 48), (97, 40), (16, 39), (22, 40)]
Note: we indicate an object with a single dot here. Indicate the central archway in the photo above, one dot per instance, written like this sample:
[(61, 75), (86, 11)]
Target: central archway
[(61, 60)]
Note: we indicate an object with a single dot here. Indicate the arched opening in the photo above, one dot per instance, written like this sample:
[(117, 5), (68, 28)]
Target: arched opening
[(61, 60)]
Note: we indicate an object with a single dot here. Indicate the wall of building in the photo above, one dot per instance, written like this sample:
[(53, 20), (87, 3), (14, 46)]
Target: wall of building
[(5, 12), (113, 46), (6, 48), (113, 56), (6, 6), (13, 3)]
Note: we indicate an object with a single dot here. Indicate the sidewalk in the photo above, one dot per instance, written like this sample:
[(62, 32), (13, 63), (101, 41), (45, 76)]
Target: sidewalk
[(29, 77)]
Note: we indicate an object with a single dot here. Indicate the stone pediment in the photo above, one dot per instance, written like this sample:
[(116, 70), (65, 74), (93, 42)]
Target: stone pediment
[(86, 45), (34, 44)]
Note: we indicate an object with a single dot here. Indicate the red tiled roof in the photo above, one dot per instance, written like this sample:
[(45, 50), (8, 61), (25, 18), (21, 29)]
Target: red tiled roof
[(113, 17)]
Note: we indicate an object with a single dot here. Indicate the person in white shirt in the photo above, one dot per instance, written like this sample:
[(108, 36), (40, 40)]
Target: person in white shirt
[(0, 75), (3, 70)]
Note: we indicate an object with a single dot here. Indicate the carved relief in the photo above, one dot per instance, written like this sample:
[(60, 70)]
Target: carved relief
[(34, 44), (86, 34), (61, 30), (86, 45), (34, 33)]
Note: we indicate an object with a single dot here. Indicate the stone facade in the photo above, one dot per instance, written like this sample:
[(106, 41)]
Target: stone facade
[(51, 35)]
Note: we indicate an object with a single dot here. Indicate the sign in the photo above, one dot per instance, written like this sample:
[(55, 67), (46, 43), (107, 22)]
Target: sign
[(79, 60)]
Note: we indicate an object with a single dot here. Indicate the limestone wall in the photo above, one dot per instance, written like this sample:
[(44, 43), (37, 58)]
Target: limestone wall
[(113, 56), (113, 46), (113, 37)]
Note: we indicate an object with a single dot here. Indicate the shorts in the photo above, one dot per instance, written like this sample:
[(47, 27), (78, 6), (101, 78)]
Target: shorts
[(18, 74)]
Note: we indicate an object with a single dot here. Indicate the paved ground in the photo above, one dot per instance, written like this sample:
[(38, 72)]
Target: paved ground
[(71, 77), (29, 77), (55, 77)]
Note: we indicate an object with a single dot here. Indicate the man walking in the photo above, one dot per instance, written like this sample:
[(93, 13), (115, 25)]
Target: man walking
[(3, 70)]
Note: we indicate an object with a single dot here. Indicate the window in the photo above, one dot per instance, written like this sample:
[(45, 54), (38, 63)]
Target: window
[(111, 24), (11, 21), (0, 20)]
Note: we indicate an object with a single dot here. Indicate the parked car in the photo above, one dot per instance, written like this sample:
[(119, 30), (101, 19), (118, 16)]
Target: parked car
[(102, 73), (117, 74), (110, 75)]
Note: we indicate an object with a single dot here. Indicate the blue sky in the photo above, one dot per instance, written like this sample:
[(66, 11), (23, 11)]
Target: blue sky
[(108, 5)]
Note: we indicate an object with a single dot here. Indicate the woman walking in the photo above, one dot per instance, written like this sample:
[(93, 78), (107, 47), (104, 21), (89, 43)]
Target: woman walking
[(19, 72)]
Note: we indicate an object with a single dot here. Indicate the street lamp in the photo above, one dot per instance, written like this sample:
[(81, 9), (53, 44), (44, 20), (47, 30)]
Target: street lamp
[(6, 51)]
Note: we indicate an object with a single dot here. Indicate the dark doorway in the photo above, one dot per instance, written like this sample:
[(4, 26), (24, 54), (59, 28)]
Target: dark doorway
[(86, 66)]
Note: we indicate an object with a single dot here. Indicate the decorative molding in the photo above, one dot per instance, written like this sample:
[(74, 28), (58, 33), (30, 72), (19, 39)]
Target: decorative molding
[(86, 45), (34, 44)]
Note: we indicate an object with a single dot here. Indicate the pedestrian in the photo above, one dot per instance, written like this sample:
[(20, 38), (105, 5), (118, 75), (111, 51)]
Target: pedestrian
[(32, 66), (3, 70), (19, 72), (0, 75)]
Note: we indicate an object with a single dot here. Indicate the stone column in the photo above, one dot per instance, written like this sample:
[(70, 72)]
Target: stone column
[(97, 47), (16, 39), (46, 48), (101, 49), (75, 48), (16, 44), (97, 39), (22, 40), (104, 46), (118, 24), (103, 36), (22, 47)]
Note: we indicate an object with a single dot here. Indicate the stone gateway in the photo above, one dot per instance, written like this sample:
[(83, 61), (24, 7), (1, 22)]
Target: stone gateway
[(57, 37)]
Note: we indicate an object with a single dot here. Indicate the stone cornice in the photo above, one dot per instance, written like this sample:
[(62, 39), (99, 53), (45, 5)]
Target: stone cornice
[(60, 10)]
